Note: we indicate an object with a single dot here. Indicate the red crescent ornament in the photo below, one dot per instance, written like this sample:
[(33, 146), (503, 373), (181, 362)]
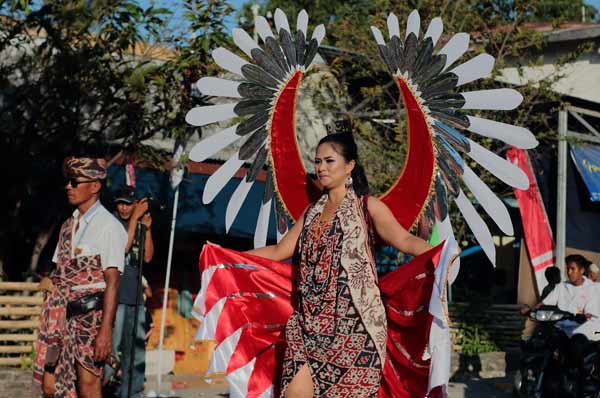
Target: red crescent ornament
[(295, 188), (408, 196)]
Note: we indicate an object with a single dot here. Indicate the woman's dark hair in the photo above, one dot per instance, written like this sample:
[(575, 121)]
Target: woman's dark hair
[(578, 259), (343, 143)]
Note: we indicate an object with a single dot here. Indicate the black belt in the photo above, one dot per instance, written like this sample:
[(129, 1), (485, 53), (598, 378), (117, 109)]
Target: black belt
[(85, 304)]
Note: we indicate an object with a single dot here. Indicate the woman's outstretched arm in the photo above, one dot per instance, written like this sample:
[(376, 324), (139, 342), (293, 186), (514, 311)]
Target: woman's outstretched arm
[(390, 230), (286, 246)]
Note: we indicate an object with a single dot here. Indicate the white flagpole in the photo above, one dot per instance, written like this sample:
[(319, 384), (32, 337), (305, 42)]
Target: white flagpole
[(166, 291)]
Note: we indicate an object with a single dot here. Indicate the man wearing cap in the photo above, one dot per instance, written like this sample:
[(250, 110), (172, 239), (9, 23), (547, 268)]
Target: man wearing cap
[(77, 317), (131, 213)]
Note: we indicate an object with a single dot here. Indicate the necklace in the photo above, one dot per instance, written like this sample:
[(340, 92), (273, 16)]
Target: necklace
[(322, 224)]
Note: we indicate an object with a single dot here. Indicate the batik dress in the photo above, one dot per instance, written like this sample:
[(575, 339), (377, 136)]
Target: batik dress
[(64, 342), (326, 331)]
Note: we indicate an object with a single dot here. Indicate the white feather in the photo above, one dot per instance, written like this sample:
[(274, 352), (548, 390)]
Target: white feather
[(501, 168), (413, 25), (512, 135), (378, 36), (263, 28), (244, 42), (455, 48), (262, 224), (213, 144), (393, 25), (236, 201), (302, 22), (217, 181), (476, 68), (488, 200), (319, 33), (435, 29), (477, 225), (281, 21), (203, 115), (218, 87), (500, 99), (228, 60)]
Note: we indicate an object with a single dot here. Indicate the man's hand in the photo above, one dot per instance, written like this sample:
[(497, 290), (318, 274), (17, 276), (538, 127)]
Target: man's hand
[(46, 284), (140, 209), (147, 220), (524, 310), (103, 346)]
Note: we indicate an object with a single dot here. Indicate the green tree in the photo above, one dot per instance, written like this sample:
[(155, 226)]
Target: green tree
[(73, 79)]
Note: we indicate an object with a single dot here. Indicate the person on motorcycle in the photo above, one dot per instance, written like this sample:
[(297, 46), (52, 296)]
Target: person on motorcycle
[(581, 297)]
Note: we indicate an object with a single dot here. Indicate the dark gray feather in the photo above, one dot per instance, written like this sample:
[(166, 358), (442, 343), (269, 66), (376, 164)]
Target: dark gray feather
[(424, 55), (288, 47), (450, 182), (440, 85), (267, 63), (450, 156), (257, 75), (269, 189), (410, 53), (251, 107), (255, 141), (396, 52), (250, 90), (300, 47), (388, 58), (454, 137), (257, 164), (430, 71), (275, 51), (441, 201), (252, 123), (446, 101), (451, 117), (311, 52)]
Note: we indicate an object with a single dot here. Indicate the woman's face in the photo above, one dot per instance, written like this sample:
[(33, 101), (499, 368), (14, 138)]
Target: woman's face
[(331, 167)]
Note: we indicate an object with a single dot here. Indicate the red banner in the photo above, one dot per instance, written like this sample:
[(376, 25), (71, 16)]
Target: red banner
[(538, 235)]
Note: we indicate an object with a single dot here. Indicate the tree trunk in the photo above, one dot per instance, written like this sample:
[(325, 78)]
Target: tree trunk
[(40, 244)]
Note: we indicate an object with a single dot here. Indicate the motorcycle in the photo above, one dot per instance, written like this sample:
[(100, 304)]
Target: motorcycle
[(543, 373)]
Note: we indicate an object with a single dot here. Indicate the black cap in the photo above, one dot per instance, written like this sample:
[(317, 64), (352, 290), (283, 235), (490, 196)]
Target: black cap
[(125, 195)]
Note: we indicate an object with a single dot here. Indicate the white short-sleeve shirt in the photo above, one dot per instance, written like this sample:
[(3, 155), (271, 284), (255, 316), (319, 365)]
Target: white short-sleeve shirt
[(99, 233), (582, 299)]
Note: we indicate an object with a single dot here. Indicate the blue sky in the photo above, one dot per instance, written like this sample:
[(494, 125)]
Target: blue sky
[(173, 5)]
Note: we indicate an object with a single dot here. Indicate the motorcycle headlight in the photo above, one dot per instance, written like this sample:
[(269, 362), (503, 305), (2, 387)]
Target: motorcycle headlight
[(542, 315), (556, 317)]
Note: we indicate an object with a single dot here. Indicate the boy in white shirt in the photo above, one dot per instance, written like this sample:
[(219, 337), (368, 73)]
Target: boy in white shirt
[(577, 295)]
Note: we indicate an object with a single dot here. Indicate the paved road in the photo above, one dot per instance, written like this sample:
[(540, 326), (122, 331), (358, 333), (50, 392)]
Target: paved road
[(15, 383)]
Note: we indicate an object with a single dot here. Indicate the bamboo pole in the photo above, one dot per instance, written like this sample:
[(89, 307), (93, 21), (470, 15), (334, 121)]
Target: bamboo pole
[(22, 300), (15, 349), (19, 324), (18, 337), (8, 311), (10, 361), (29, 286)]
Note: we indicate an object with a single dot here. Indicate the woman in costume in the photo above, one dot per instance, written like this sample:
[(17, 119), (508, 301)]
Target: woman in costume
[(244, 299), (336, 336)]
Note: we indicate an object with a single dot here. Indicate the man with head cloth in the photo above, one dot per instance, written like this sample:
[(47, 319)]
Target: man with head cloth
[(78, 312)]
